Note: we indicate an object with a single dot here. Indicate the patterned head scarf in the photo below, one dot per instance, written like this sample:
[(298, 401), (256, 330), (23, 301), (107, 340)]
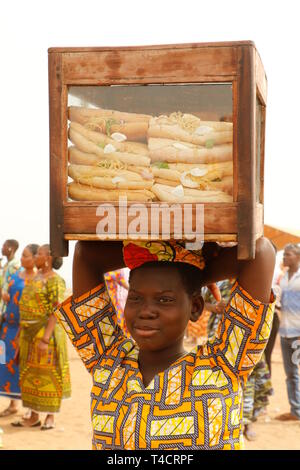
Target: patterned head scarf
[(136, 254)]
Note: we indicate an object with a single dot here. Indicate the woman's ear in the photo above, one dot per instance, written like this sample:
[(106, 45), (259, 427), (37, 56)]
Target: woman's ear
[(197, 306)]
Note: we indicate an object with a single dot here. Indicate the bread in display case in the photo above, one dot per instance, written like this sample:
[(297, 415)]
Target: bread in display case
[(168, 156), (171, 125)]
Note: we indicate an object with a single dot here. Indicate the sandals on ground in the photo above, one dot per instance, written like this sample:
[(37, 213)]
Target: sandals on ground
[(21, 424), (47, 426)]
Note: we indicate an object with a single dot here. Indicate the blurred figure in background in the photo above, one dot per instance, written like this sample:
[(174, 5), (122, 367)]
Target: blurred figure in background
[(11, 289), (215, 305), (9, 249), (256, 397), (44, 367), (9, 369), (289, 329), (258, 387), (197, 332), (117, 286), (1, 276), (276, 319)]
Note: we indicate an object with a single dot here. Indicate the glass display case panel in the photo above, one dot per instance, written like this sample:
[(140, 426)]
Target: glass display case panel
[(167, 143)]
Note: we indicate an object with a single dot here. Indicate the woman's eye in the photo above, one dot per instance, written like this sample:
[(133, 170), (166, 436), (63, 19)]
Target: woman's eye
[(133, 298), (164, 300)]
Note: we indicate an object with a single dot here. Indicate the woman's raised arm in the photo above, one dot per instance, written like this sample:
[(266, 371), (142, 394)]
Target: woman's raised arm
[(92, 259), (255, 276)]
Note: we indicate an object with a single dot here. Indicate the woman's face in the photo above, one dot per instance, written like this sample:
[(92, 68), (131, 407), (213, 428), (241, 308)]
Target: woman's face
[(41, 257), (290, 258), (27, 259), (6, 249), (158, 308)]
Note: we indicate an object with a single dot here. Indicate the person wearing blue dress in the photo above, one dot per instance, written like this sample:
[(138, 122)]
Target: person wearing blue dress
[(9, 369)]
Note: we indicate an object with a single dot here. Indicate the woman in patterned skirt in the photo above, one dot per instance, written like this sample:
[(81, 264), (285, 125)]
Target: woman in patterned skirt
[(44, 367), (9, 369)]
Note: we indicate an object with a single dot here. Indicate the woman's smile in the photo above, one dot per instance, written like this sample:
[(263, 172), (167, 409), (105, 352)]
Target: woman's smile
[(145, 330)]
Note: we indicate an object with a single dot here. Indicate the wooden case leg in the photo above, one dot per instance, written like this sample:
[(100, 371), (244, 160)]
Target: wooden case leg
[(59, 246), (247, 149)]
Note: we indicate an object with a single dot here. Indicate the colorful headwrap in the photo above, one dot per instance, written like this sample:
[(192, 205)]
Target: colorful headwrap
[(136, 254)]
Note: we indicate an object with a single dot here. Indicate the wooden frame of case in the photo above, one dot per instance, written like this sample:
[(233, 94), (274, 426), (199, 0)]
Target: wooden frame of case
[(235, 62)]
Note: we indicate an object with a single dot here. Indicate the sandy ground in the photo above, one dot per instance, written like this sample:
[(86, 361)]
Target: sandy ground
[(73, 429)]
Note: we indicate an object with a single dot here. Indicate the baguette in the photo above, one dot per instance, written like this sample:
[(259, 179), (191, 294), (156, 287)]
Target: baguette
[(174, 175), (167, 182), (225, 185), (78, 157), (217, 125), (133, 130), (189, 128), (166, 194), (175, 133), (85, 145), (133, 126), (225, 167), (164, 150), (82, 158), (80, 192), (86, 171), (107, 183), (165, 173), (102, 178), (102, 140), (83, 115)]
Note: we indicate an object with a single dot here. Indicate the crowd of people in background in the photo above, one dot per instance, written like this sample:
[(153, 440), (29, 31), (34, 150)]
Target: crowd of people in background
[(34, 367)]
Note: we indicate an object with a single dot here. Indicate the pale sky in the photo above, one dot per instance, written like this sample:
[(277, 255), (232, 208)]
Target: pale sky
[(29, 28)]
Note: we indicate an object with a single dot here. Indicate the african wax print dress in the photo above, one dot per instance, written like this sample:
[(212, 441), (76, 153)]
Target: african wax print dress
[(44, 379), (194, 404), (9, 370), (116, 283)]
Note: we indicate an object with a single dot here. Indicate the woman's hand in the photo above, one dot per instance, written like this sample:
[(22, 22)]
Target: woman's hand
[(220, 306), (42, 348)]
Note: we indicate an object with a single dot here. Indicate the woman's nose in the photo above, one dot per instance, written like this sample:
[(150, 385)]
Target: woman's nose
[(148, 310)]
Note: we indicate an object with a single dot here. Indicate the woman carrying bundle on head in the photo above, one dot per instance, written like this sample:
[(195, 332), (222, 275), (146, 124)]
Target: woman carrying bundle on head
[(148, 392), (44, 367)]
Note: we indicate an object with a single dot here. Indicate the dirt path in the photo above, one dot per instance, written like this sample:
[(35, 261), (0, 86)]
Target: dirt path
[(73, 430)]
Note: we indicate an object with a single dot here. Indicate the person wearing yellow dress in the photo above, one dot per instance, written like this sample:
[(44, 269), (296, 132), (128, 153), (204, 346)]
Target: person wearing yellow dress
[(44, 367)]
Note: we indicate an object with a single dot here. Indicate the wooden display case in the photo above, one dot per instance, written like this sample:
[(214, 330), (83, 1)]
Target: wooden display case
[(216, 82)]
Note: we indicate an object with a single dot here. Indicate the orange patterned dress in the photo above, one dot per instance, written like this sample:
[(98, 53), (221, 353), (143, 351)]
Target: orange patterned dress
[(194, 404)]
